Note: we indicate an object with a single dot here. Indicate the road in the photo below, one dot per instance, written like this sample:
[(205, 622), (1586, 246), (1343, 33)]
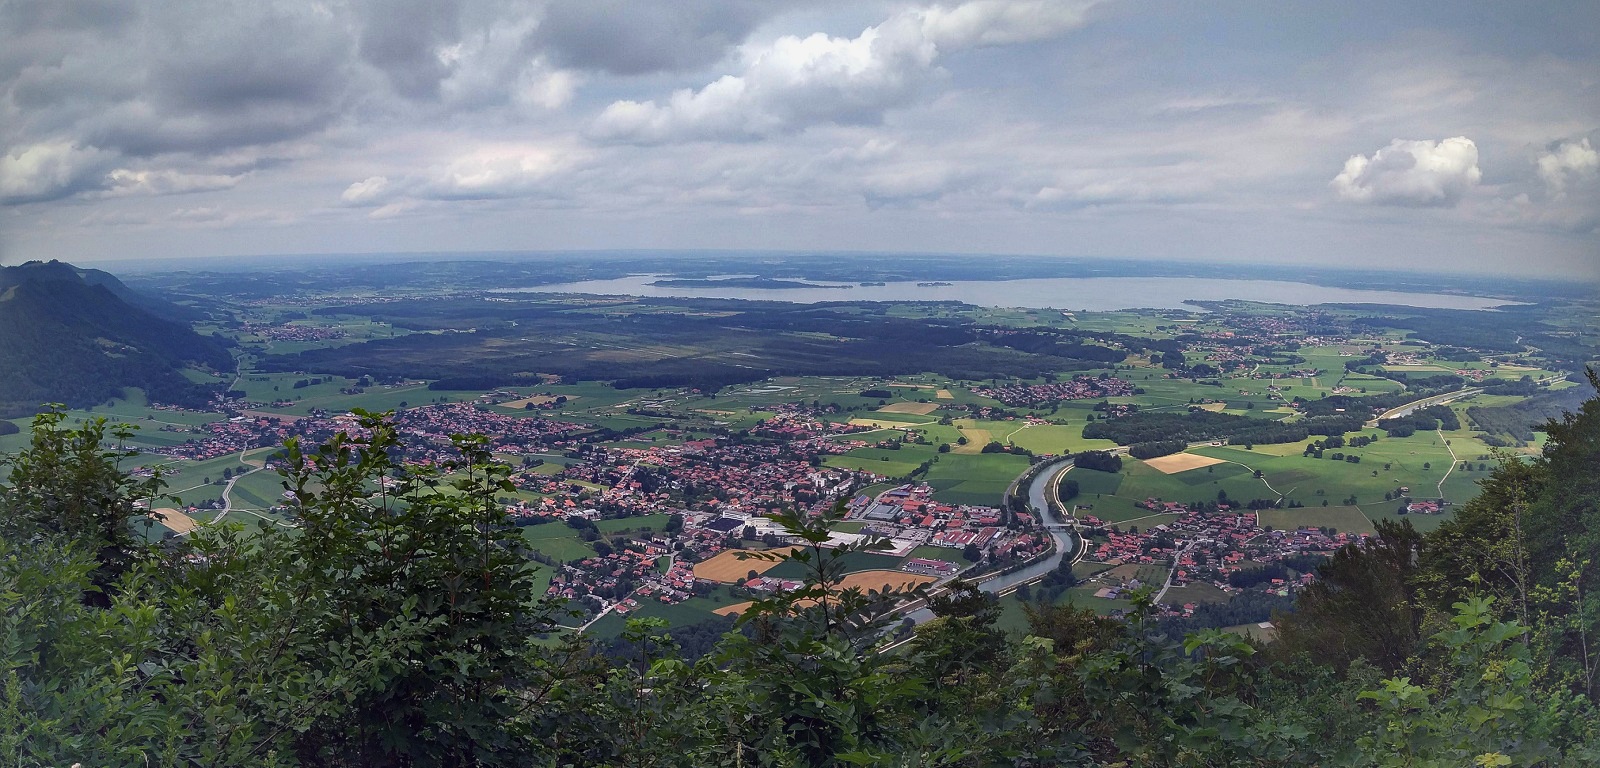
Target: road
[(1408, 408), (1176, 558), (1454, 460)]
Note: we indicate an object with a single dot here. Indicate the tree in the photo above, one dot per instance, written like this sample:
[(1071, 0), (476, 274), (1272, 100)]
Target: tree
[(1362, 604), (1067, 490), (68, 482), (1563, 537), (431, 556)]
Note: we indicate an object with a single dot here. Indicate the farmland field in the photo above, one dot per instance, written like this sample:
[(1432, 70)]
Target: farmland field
[(1344, 519), (728, 568), (919, 409), (1180, 462), (557, 540)]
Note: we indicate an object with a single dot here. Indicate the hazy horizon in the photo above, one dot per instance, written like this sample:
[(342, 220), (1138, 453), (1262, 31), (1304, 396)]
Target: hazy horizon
[(1461, 138)]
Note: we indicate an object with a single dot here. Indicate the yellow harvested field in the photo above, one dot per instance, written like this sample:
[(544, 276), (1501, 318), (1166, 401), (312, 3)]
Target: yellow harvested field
[(882, 423), (920, 409), (727, 568), (1212, 407), (175, 520), (1181, 462), (944, 394), (866, 581), (880, 580), (976, 440), (913, 386), (534, 400)]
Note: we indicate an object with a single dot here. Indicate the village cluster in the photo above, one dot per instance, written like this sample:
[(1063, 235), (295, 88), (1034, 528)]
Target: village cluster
[(1078, 388), (1207, 546)]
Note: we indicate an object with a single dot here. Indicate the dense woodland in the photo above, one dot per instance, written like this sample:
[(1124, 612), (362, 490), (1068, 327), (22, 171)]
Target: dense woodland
[(1194, 426), (399, 629), (486, 344)]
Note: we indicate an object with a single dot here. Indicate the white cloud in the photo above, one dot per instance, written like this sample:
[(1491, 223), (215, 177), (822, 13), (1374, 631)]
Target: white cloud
[(367, 192), (489, 172), (1574, 159), (129, 182), (1414, 173), (49, 171), (794, 82), (998, 22), (496, 172)]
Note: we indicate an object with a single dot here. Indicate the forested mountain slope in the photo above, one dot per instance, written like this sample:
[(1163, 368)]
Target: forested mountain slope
[(65, 338)]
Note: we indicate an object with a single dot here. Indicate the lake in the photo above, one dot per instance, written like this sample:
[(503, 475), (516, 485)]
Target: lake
[(1067, 293)]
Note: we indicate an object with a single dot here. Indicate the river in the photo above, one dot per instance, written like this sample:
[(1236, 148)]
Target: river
[(1093, 294), (1064, 540)]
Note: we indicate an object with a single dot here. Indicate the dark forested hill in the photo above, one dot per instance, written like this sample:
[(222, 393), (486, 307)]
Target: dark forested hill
[(67, 337)]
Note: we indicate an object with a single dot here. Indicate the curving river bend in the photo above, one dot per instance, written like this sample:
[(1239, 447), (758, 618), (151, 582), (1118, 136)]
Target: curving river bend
[(1066, 541)]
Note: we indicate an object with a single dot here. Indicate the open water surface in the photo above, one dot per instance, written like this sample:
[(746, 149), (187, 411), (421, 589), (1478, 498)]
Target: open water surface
[(1064, 293)]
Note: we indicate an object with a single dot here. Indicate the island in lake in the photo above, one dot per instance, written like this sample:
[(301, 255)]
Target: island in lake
[(739, 282), (935, 284)]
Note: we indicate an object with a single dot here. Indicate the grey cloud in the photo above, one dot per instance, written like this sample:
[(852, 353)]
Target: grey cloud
[(628, 38), (403, 37), (34, 16)]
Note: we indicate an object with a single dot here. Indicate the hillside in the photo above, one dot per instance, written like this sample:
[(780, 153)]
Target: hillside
[(67, 336)]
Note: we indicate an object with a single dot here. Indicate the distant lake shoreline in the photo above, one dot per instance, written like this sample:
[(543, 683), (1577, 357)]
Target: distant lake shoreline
[(1093, 294)]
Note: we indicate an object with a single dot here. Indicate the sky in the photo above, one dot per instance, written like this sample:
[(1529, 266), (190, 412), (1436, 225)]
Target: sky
[(1456, 136)]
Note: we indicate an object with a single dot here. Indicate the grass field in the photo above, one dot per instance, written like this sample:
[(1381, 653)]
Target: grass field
[(853, 562), (1057, 439), (920, 409), (1116, 497), (1255, 631), (1345, 519), (882, 462), (691, 611), (258, 490), (654, 522), (979, 479), (1195, 593), (557, 540)]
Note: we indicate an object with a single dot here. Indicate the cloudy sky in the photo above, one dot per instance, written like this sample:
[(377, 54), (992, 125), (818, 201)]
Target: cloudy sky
[(1455, 135)]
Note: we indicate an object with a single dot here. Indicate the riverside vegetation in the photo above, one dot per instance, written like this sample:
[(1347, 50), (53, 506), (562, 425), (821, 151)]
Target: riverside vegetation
[(396, 628)]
